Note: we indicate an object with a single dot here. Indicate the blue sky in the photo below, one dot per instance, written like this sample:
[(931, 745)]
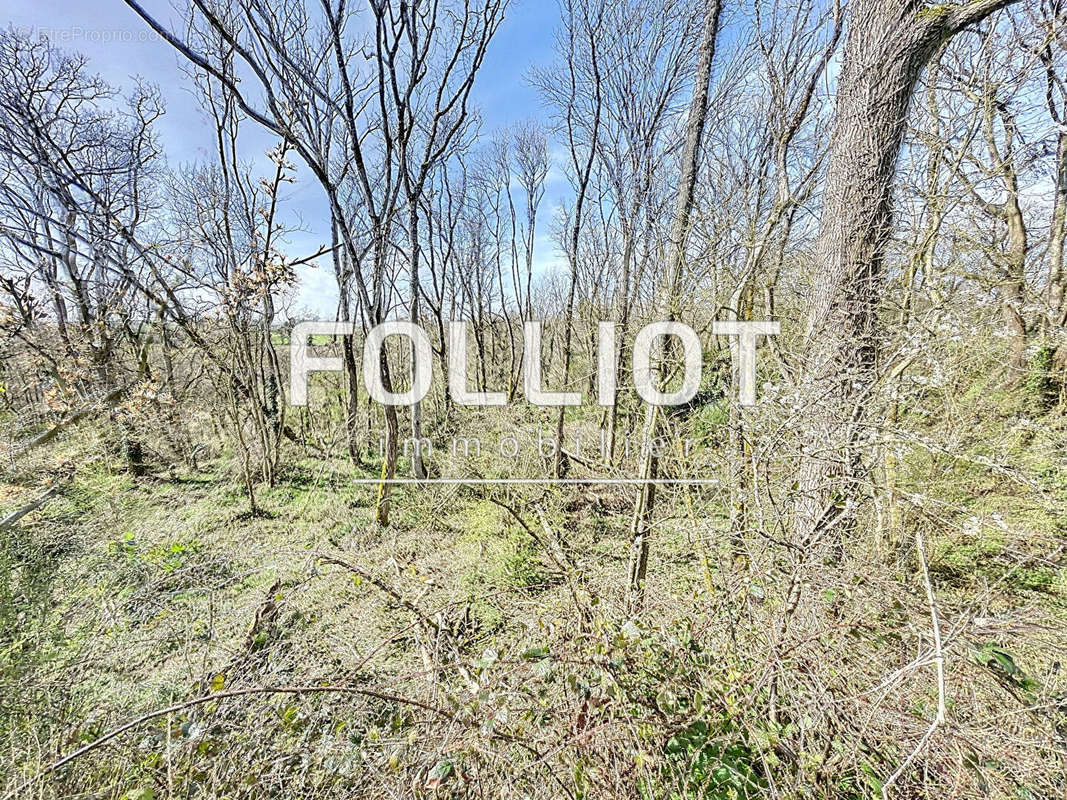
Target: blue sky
[(119, 46)]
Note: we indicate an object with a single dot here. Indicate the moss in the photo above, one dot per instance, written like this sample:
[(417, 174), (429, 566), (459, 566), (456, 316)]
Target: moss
[(1036, 579), (1041, 387), (939, 11), (494, 554)]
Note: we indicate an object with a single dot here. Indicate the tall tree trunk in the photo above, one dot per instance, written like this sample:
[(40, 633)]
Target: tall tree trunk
[(392, 422), (622, 317), (340, 269), (1013, 287), (1057, 278), (531, 226), (417, 466), (641, 527), (888, 44), (392, 448), (584, 173)]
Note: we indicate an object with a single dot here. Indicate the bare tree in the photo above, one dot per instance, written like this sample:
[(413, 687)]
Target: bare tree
[(395, 98), (530, 153), (78, 169), (654, 54), (575, 87), (670, 291), (1051, 49)]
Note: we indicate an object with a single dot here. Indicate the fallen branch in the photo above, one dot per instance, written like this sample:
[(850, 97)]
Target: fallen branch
[(107, 737), (579, 460), (393, 593), (62, 425), (15, 516)]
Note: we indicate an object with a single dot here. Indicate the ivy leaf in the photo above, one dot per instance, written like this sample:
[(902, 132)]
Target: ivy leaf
[(441, 772), (535, 654)]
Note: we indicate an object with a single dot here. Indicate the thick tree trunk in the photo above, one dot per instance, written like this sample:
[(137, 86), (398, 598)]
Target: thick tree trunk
[(888, 44), (1013, 287)]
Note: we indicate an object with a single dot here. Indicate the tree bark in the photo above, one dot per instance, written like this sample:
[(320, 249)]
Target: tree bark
[(888, 44), (1057, 278), (417, 466)]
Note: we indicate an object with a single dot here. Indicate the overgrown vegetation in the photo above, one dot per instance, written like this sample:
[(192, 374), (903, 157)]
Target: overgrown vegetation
[(854, 588), (500, 634)]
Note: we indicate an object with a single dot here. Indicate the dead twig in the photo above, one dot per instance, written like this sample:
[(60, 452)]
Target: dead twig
[(114, 733), (938, 661)]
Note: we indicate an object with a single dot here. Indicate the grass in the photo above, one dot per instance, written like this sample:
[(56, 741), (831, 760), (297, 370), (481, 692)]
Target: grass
[(124, 595)]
